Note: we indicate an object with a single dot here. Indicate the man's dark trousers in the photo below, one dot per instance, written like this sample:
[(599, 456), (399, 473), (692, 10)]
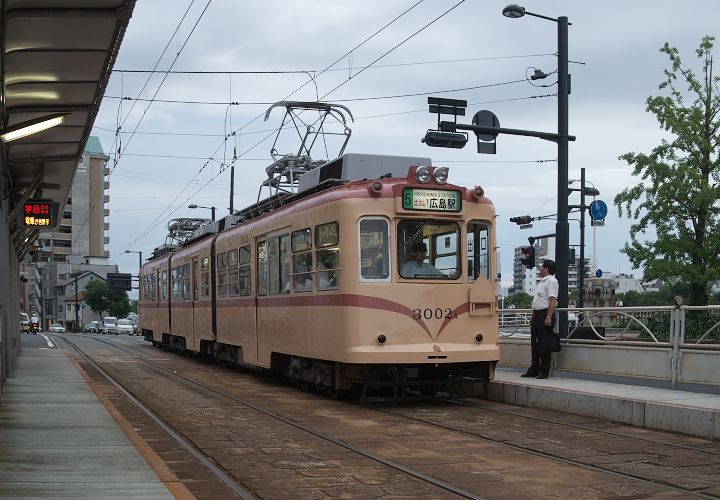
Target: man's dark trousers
[(540, 360)]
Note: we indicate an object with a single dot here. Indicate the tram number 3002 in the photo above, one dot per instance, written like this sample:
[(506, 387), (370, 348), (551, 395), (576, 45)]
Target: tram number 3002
[(438, 313)]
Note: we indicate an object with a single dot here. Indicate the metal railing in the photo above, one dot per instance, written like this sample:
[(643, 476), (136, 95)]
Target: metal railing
[(679, 344)]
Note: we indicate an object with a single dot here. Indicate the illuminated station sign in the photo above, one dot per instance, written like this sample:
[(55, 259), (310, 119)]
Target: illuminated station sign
[(40, 213)]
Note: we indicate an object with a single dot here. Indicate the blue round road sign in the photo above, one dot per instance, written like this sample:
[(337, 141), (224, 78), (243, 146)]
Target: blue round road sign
[(598, 210), (598, 273)]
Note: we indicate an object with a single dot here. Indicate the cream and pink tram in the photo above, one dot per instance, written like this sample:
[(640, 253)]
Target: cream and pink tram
[(326, 285)]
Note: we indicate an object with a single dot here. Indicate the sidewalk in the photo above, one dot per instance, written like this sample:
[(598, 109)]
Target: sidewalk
[(58, 440), (691, 413)]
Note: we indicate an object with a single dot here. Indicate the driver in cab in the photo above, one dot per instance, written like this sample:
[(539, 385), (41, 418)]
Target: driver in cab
[(417, 267)]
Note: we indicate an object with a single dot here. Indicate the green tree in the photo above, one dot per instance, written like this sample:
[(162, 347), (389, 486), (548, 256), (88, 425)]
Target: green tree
[(95, 296), (101, 299), (520, 300), (680, 187)]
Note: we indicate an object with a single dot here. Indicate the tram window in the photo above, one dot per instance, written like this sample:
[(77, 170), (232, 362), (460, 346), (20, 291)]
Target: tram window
[(164, 285), (233, 281), (221, 275), (374, 250), (262, 270), (301, 240), (327, 235), (327, 268), (274, 265), (302, 272), (285, 263), (232, 258), (244, 271), (206, 284), (478, 250), (185, 282), (205, 263), (245, 255), (175, 283), (244, 280), (428, 249)]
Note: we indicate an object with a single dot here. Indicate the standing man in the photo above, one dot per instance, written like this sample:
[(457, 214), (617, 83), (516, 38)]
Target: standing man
[(542, 322)]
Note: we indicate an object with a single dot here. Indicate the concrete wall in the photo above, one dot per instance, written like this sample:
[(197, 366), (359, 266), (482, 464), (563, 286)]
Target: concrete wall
[(9, 295)]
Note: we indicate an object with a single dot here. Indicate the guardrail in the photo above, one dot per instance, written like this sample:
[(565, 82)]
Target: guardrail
[(678, 344)]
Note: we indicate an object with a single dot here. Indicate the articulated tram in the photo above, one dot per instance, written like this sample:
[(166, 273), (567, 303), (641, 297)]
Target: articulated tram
[(377, 272)]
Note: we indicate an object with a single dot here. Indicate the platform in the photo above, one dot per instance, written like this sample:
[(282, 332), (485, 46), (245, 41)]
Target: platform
[(57, 439), (691, 413)]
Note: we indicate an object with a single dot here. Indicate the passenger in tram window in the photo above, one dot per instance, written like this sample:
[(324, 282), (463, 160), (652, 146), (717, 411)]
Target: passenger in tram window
[(300, 283), (417, 267)]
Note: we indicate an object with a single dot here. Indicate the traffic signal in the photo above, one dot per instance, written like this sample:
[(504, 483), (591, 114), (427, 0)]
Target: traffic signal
[(522, 220), (528, 258)]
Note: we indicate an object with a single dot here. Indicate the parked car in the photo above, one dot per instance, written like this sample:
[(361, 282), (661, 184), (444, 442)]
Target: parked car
[(91, 327), (24, 322), (109, 325), (124, 326), (56, 328)]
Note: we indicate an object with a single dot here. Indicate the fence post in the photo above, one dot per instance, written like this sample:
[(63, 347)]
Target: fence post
[(677, 332)]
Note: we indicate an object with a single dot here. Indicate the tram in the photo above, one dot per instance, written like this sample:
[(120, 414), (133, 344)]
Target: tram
[(378, 272)]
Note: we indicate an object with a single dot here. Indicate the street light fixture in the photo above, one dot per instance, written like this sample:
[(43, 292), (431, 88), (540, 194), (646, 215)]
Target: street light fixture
[(562, 239), (139, 252), (209, 208)]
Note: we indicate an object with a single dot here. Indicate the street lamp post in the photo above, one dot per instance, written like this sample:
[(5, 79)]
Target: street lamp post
[(209, 208), (584, 191), (139, 252), (562, 240)]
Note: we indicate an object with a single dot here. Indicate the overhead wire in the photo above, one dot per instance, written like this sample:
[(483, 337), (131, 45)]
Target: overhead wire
[(380, 30), (119, 126), (294, 72), (354, 99)]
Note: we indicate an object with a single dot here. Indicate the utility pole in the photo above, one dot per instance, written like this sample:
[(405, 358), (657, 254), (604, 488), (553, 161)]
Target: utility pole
[(75, 329), (581, 268)]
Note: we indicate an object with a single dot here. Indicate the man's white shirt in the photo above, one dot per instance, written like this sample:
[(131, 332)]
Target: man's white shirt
[(548, 287)]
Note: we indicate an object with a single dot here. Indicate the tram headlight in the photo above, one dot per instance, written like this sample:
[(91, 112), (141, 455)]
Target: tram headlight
[(477, 193), (381, 339), (440, 175), (422, 174), (478, 337)]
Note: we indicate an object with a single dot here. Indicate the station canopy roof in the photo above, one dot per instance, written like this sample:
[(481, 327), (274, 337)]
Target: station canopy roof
[(57, 57)]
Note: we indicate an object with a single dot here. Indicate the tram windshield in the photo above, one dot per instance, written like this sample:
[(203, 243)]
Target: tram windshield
[(428, 249)]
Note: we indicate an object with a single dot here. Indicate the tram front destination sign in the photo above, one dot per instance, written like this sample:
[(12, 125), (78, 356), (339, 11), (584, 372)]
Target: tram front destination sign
[(442, 200)]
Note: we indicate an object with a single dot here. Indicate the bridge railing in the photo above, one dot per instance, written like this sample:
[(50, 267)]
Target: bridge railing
[(678, 344)]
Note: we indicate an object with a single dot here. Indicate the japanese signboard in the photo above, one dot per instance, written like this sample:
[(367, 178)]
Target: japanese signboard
[(40, 213), (439, 200)]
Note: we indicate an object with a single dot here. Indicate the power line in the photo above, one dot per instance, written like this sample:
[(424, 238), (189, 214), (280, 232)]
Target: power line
[(396, 46), (312, 79), (293, 72), (357, 118), (177, 55), (355, 99)]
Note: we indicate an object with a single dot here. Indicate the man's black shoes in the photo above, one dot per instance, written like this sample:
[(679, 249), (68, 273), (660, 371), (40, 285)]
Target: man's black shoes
[(542, 376), (528, 375)]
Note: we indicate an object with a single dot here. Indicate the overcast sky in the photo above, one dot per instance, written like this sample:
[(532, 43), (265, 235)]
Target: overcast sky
[(614, 46)]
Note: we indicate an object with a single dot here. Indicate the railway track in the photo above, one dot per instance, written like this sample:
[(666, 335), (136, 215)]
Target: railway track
[(237, 487), (468, 431), (224, 476), (556, 456)]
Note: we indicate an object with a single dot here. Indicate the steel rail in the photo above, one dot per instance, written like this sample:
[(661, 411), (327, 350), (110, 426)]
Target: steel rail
[(584, 427), (545, 454), (367, 454), (235, 486)]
